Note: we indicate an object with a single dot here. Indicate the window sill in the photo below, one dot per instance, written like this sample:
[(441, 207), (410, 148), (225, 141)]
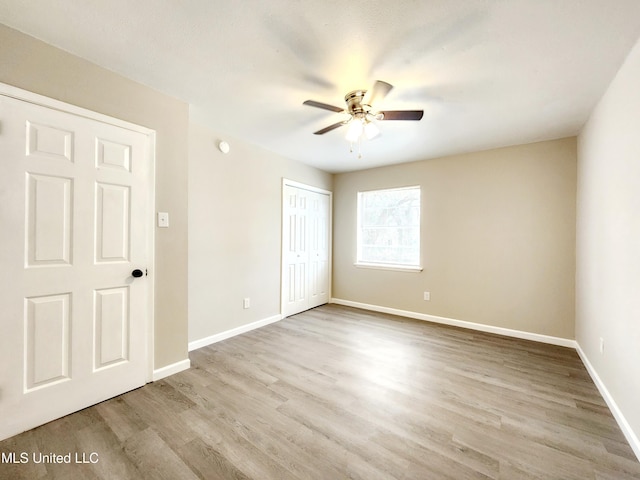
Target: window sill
[(382, 266)]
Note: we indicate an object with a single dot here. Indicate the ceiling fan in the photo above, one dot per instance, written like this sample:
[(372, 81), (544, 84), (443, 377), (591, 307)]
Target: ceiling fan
[(361, 113)]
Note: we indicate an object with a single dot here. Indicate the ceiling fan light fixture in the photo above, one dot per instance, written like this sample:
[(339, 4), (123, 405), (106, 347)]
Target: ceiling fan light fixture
[(361, 114), (371, 131), (355, 130)]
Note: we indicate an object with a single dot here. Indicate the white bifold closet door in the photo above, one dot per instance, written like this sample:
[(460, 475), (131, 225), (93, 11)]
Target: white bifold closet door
[(75, 205), (306, 272)]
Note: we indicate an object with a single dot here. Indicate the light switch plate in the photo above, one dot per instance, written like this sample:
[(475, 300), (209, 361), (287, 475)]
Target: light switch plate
[(163, 219)]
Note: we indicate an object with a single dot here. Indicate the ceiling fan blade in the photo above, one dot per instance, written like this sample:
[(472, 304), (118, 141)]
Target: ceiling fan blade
[(329, 128), (313, 103), (402, 114), (378, 92)]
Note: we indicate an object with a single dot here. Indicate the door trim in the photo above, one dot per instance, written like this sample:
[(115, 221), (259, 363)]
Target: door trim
[(292, 183), (40, 100)]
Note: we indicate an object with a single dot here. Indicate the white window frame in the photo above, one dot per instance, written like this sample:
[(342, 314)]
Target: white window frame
[(384, 265)]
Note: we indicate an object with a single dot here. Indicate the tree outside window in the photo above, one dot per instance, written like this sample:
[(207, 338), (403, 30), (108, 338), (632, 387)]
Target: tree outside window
[(389, 227)]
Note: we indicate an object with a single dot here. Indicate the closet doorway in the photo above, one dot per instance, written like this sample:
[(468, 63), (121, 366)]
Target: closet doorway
[(306, 247)]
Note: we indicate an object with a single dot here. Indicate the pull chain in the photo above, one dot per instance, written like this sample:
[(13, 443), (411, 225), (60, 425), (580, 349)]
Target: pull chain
[(359, 143)]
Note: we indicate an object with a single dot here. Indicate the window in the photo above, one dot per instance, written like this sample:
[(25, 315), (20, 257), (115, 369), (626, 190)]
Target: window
[(389, 228)]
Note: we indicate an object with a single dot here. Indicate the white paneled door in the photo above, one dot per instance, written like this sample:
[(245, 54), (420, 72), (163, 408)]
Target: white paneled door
[(318, 233), (306, 215), (74, 204)]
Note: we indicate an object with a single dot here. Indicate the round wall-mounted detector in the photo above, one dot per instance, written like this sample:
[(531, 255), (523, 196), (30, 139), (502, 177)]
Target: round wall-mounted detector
[(223, 146)]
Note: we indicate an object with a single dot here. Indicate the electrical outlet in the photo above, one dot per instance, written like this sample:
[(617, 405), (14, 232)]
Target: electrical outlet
[(163, 219), (246, 303), (427, 296), (601, 345)]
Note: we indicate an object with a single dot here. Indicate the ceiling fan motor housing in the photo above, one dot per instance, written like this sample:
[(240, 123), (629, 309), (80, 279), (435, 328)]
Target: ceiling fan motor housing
[(354, 103)]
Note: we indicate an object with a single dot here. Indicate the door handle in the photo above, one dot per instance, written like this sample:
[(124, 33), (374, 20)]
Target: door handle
[(137, 273)]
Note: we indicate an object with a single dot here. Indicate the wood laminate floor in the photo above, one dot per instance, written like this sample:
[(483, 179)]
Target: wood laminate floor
[(336, 393)]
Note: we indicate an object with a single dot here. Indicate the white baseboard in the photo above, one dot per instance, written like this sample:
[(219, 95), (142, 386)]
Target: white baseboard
[(536, 337), (218, 337), (171, 369), (628, 432)]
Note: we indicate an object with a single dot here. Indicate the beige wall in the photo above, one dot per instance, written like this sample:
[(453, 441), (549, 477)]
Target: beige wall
[(235, 230), (608, 241), (498, 238), (37, 67)]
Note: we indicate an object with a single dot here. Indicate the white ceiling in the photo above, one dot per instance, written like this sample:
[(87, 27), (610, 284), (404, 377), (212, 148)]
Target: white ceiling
[(488, 73)]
